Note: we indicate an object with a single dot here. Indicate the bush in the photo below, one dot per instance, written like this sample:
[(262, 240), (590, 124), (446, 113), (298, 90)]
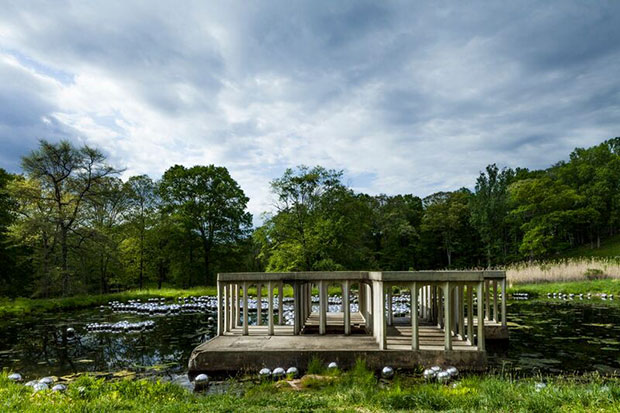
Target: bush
[(595, 274)]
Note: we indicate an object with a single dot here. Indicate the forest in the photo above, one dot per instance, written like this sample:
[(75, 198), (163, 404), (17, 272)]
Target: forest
[(70, 225)]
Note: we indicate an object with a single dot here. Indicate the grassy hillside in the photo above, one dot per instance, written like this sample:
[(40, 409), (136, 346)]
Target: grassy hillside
[(610, 247)]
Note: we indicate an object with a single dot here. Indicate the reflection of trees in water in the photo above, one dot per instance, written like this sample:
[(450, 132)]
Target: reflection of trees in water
[(45, 348)]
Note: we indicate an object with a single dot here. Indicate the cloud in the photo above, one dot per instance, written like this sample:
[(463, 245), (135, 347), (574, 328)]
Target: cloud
[(406, 98)]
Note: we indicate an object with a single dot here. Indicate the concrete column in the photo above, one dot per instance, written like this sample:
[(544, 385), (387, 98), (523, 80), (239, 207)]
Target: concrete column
[(322, 307), (361, 299), (383, 332), (235, 318), (440, 306), (455, 310), (259, 304), (461, 290), (246, 317), (448, 316), (220, 311), (470, 314), (346, 306), (415, 341), (487, 300), (504, 298), (280, 303), (481, 316), (370, 308), (495, 316), (270, 309), (390, 314), (226, 308), (296, 308)]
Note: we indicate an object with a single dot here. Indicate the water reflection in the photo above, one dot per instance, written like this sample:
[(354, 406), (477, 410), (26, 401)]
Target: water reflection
[(40, 345)]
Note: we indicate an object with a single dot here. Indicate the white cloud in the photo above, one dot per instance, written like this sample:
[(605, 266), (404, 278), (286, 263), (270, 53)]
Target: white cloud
[(403, 98)]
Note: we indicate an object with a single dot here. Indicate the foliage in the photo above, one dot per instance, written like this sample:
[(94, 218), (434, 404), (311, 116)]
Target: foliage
[(69, 226), (357, 390), (210, 203)]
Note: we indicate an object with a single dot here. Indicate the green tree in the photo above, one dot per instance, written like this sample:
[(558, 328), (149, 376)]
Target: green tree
[(142, 204), (307, 227), (66, 176), (211, 202), (446, 217), (489, 209)]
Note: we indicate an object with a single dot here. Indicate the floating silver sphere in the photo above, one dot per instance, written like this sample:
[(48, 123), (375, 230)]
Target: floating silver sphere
[(436, 369), (59, 388), (429, 374), (278, 373), (539, 386), (332, 365), (443, 377), (47, 380), (292, 372), (40, 387), (264, 373), (15, 377), (452, 371), (211, 319), (201, 381), (387, 372), (70, 331)]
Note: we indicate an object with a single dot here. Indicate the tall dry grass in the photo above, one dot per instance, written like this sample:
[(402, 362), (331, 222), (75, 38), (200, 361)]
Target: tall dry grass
[(571, 269)]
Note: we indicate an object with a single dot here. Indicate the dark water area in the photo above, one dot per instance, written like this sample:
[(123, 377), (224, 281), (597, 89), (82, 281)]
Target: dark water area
[(39, 345), (545, 336), (560, 336)]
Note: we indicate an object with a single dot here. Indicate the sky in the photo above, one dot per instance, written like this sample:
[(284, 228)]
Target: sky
[(404, 97)]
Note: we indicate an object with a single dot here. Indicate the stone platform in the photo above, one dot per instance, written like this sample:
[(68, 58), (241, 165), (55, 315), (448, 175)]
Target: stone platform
[(233, 352)]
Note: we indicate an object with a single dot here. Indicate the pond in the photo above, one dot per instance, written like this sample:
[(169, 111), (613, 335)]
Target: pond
[(548, 336)]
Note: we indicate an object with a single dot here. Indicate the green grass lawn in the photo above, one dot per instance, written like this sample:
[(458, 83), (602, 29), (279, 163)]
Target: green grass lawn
[(595, 287), (357, 390), (28, 305)]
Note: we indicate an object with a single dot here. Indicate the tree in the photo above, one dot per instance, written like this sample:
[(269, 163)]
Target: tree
[(446, 216), (142, 203), (549, 212), (308, 225), (15, 271), (66, 176), (211, 202), (489, 209)]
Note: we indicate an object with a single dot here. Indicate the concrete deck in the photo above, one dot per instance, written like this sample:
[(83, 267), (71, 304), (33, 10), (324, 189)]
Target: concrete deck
[(233, 352)]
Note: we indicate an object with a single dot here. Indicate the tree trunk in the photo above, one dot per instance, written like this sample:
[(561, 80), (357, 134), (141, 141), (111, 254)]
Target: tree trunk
[(140, 282), (207, 250), (63, 263)]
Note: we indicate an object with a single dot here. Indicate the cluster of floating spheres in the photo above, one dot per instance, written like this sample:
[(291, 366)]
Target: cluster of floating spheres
[(39, 385), (121, 327), (440, 375), (571, 296), (520, 296), (278, 373), (157, 306)]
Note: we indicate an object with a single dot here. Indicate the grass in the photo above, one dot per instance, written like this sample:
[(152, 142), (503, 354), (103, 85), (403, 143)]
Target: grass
[(570, 269), (29, 305), (355, 390), (610, 247), (608, 286)]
